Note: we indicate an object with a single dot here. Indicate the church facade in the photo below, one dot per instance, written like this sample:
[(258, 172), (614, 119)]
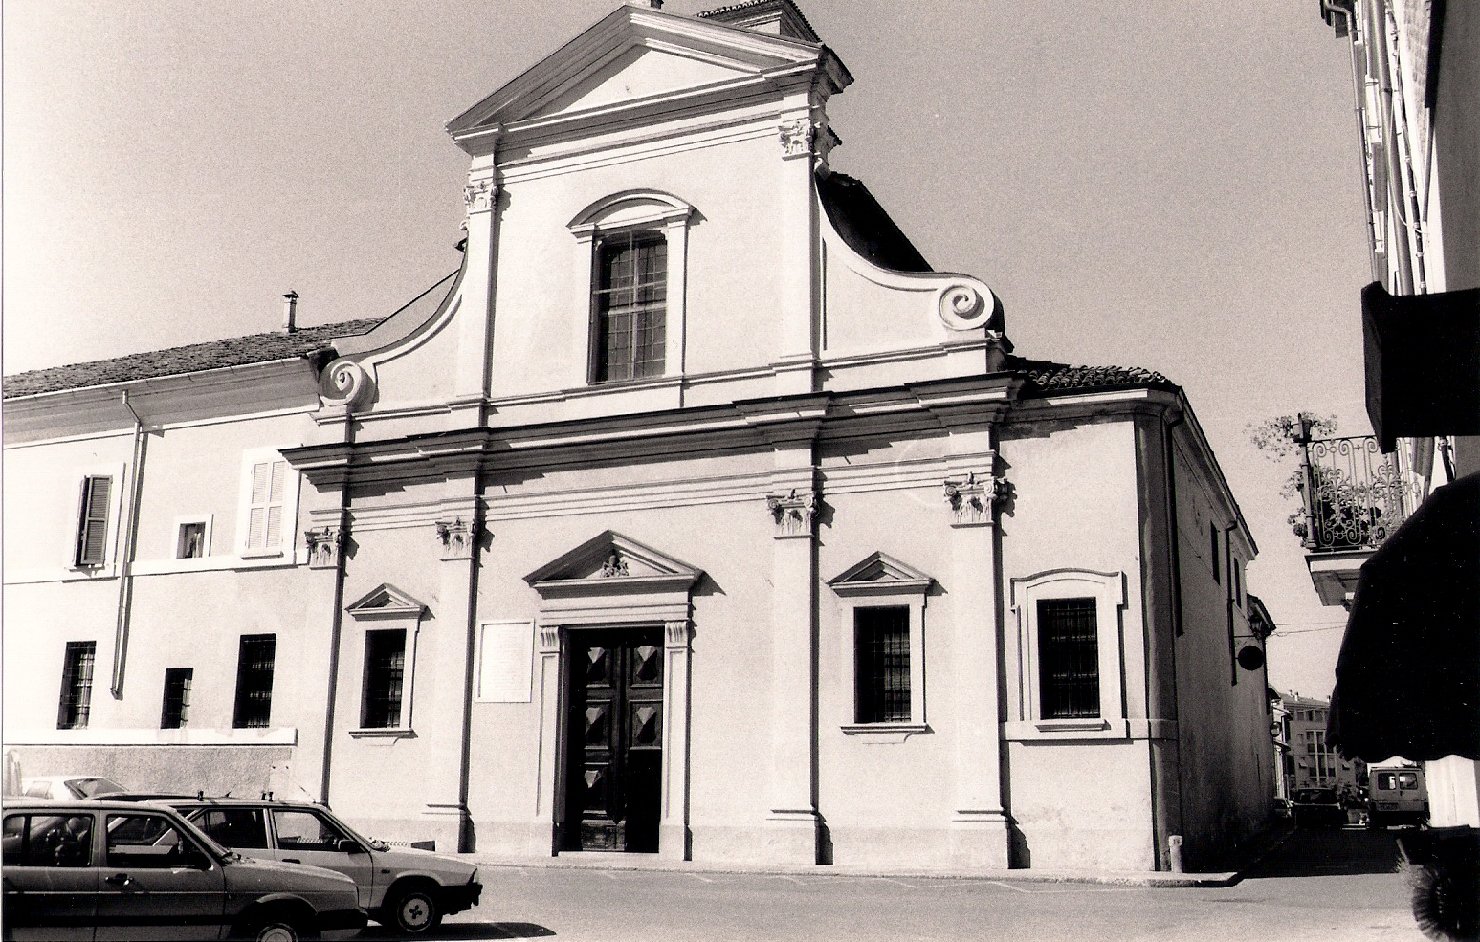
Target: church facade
[(694, 514)]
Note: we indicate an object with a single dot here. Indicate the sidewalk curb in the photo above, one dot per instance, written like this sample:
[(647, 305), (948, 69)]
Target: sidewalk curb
[(1100, 878)]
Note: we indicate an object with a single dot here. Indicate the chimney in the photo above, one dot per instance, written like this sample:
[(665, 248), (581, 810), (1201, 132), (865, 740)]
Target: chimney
[(290, 312)]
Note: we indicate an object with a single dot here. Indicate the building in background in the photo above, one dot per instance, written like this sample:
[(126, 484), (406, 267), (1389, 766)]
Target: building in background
[(1311, 761), (693, 514), (1416, 74)]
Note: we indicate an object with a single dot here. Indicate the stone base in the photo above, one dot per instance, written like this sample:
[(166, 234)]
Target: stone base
[(447, 825), (980, 839), (673, 842), (790, 837)]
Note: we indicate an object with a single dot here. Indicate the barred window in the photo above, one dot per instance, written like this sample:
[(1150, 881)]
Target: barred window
[(1068, 652), (882, 664), (385, 672), (629, 305), (176, 711), (256, 661), (77, 678)]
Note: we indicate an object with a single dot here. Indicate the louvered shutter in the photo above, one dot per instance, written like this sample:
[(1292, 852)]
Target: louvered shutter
[(265, 510), (92, 527)]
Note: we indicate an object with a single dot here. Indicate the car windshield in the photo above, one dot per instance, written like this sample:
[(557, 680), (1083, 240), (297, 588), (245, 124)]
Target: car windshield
[(1313, 796), (92, 787), (378, 845)]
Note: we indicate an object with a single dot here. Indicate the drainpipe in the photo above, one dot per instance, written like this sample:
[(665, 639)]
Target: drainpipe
[(130, 524)]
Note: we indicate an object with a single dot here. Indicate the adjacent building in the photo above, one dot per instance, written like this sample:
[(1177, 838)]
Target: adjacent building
[(1310, 761), (693, 513), (1416, 77)]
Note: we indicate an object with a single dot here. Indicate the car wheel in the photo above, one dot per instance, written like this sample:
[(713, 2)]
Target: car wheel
[(276, 929), (413, 910)]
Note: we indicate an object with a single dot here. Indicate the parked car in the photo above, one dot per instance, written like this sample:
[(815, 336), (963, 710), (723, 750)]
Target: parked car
[(405, 889), (138, 871), (1318, 807), (68, 787)]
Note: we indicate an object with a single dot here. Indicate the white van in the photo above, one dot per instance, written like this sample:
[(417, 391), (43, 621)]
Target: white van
[(1396, 795)]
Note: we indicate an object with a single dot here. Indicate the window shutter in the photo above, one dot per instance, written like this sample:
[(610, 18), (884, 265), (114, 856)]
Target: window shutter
[(92, 528), (265, 511)]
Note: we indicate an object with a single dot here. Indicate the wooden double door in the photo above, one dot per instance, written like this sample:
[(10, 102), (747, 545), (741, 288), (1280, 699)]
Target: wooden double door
[(614, 740)]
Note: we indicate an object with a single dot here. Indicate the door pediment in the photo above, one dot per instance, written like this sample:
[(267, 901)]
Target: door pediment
[(609, 561)]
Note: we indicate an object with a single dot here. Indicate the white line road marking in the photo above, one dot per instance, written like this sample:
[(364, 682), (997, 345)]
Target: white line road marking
[(1008, 886), (702, 879), (908, 886), (790, 879)]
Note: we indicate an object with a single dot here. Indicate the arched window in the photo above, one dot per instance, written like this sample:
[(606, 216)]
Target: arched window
[(634, 245)]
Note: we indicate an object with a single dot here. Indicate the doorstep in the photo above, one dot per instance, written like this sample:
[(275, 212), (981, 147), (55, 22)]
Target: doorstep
[(598, 860)]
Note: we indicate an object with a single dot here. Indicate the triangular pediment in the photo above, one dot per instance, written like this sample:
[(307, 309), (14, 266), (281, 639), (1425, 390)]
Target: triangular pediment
[(637, 54), (611, 556), (386, 601), (877, 572)]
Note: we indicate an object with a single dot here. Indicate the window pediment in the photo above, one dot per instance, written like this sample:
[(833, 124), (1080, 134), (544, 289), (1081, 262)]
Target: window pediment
[(630, 208), (878, 574), (386, 601)]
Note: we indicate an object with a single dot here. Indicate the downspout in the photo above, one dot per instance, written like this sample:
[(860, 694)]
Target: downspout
[(1161, 827), (130, 524), (1228, 601), (336, 625)]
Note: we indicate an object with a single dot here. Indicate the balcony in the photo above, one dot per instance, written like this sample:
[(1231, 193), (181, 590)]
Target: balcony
[(1352, 497)]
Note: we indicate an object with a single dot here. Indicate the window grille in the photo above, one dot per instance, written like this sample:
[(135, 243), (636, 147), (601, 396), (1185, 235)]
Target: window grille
[(882, 664), (176, 711), (629, 303), (92, 526), (256, 659), (1069, 660), (77, 678), (385, 672)]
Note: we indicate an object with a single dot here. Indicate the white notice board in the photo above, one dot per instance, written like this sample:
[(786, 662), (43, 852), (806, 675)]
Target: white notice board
[(505, 661)]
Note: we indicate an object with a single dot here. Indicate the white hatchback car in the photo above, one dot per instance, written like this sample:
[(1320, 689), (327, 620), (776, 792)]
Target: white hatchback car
[(407, 890)]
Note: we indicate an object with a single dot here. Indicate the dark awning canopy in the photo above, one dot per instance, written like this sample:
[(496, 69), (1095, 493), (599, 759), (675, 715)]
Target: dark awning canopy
[(1408, 676), (1422, 354)]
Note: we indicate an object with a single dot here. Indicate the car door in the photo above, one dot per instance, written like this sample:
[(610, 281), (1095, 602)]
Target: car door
[(50, 883), (157, 882), (308, 836)]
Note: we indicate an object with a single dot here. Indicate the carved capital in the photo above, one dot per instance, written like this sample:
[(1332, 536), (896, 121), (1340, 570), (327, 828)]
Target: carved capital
[(324, 545), (345, 383), (797, 137), (972, 498), (549, 639), (677, 633), (457, 537), (793, 512), (478, 195)]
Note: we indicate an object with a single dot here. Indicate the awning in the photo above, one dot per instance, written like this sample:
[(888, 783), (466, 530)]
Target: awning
[(1422, 356), (1408, 676)]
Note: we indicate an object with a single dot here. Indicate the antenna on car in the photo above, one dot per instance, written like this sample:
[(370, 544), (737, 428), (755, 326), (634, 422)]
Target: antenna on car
[(267, 796), (200, 795)]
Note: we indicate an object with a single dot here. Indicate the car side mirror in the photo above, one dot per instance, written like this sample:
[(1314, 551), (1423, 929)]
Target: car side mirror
[(350, 847)]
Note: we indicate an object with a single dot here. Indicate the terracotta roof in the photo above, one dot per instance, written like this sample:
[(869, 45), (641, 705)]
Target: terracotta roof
[(730, 9), (1048, 376), (192, 358)]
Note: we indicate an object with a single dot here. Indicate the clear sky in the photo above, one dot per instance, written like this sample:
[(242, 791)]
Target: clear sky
[(1171, 184)]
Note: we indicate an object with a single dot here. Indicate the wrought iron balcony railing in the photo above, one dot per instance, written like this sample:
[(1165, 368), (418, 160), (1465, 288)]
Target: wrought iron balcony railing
[(1353, 495)]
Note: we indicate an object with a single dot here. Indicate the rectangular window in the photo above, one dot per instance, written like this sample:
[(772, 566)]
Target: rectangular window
[(176, 711), (881, 676), (629, 306), (385, 671), (92, 524), (191, 542), (1069, 658), (233, 827), (46, 840), (1213, 551), (266, 505), (77, 678), (256, 660)]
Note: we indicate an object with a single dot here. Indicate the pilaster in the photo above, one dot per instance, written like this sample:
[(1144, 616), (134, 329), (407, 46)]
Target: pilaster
[(673, 825), (798, 135), (793, 821), (475, 325), (448, 666), (972, 493)]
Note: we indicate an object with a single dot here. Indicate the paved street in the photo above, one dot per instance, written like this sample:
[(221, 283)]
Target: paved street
[(1319, 885)]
